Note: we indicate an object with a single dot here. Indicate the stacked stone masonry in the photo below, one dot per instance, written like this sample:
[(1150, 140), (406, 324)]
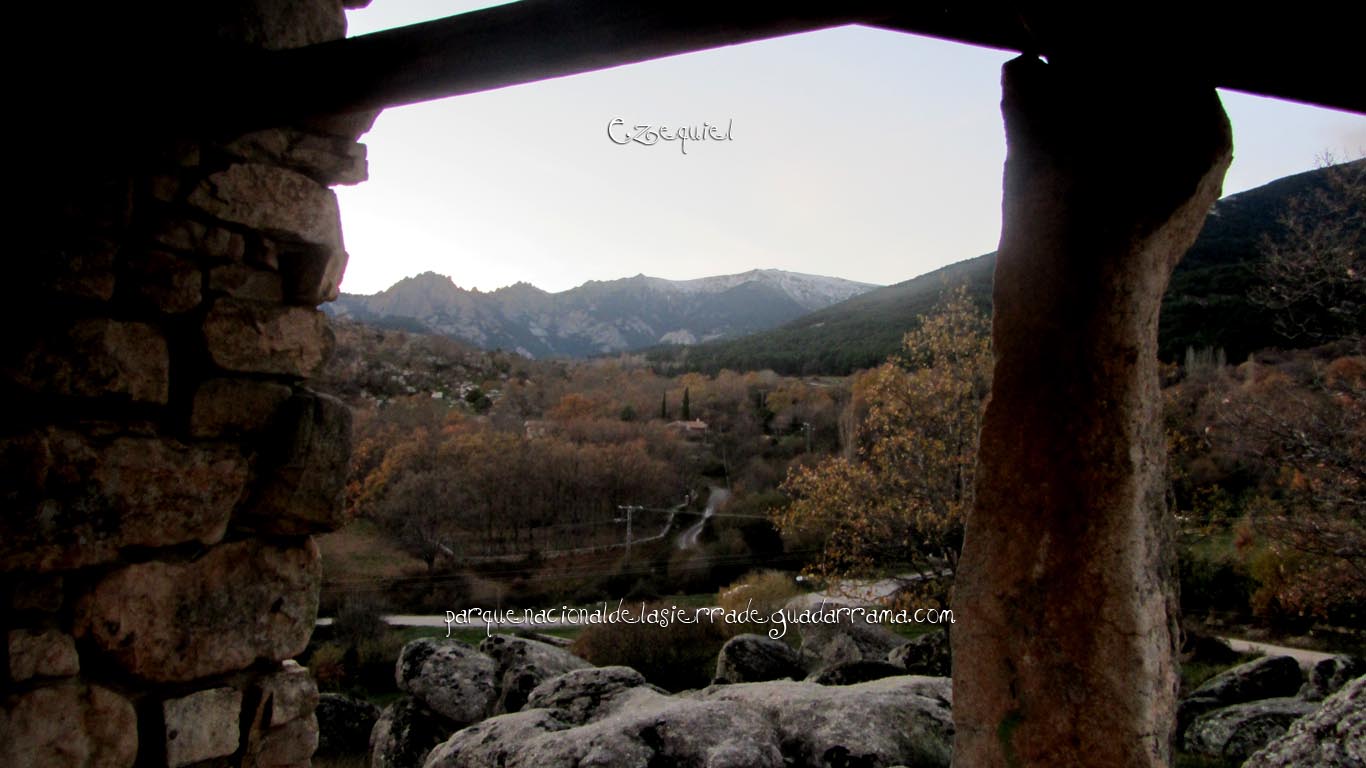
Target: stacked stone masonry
[(165, 462)]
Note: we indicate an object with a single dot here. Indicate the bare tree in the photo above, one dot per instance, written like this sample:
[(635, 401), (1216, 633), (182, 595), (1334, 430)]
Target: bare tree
[(1315, 273)]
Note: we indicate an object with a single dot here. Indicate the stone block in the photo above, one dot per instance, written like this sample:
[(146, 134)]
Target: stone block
[(253, 337), (170, 283), (239, 603), (287, 695), (290, 744), (35, 592), (202, 726), (232, 407), (279, 202), (41, 653), (68, 726), (73, 501), (312, 275), (97, 357), (303, 472), (243, 282)]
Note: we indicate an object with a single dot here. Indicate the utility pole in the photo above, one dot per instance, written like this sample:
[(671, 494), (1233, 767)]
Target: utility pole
[(629, 509)]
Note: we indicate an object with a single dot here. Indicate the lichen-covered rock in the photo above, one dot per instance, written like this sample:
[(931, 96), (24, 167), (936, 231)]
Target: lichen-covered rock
[(849, 638), (303, 470), (1332, 737), (405, 733), (255, 337), (852, 672), (1328, 676), (899, 720), (927, 655), (648, 728), (202, 725), (753, 658), (344, 725), (96, 357), (522, 665), (448, 676), (240, 602), (904, 719), (68, 725), (41, 653), (73, 500), (578, 696), (1234, 733), (235, 407)]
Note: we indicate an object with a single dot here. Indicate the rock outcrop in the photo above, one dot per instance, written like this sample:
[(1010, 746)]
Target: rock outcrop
[(902, 720), (1332, 737), (1234, 733)]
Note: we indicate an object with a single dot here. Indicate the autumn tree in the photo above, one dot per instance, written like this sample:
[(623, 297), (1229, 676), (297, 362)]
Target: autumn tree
[(898, 504)]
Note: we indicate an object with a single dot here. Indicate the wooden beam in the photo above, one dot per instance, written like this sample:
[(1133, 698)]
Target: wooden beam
[(513, 44)]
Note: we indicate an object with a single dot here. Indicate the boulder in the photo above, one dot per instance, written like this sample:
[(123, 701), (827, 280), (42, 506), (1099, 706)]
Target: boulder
[(926, 655), (646, 728), (895, 720), (1265, 678), (903, 720), (405, 733), (852, 672), (756, 659), (523, 664), (1332, 737), (450, 677), (579, 696), (838, 637), (1234, 733), (1330, 675), (344, 725), (1269, 677)]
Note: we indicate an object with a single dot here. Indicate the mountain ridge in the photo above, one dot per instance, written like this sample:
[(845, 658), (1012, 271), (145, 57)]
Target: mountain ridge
[(599, 316)]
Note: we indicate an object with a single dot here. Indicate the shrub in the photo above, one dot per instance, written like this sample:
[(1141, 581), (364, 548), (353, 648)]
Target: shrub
[(764, 591)]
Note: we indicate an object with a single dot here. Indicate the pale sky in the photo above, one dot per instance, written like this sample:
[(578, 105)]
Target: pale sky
[(857, 153)]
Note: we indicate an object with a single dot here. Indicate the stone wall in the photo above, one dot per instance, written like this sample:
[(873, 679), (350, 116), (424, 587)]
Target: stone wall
[(164, 461)]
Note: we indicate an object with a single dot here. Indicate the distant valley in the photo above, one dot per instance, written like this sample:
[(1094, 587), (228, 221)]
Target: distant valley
[(598, 317)]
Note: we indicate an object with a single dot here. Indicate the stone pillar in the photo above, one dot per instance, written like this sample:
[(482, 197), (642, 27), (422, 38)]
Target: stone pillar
[(1066, 597), (164, 461)]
